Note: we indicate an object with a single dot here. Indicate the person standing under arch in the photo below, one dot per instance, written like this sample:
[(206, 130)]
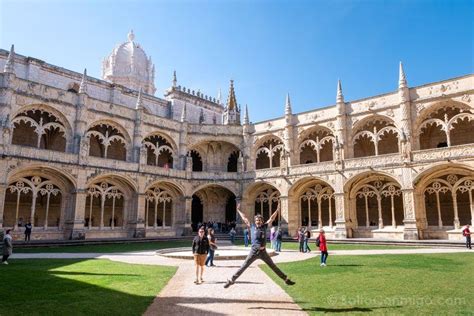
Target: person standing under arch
[(258, 250)]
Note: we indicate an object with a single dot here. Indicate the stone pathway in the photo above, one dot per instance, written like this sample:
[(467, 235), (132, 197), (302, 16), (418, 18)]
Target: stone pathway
[(254, 293)]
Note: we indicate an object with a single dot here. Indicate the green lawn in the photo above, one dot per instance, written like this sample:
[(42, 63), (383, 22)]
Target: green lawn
[(438, 284), (75, 287), (155, 245)]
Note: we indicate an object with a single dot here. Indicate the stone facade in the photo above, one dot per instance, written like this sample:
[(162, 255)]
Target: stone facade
[(88, 158)]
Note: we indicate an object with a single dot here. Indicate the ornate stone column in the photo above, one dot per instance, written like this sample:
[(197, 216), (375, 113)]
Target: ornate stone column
[(139, 224), (188, 203), (410, 231), (3, 191), (341, 208), (75, 227), (286, 226)]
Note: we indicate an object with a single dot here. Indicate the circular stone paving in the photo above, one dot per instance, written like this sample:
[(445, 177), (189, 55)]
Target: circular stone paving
[(220, 254)]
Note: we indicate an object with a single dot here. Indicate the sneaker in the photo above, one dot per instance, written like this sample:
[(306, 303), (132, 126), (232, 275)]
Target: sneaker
[(4, 262), (289, 282), (196, 281), (228, 283), (321, 265), (324, 264)]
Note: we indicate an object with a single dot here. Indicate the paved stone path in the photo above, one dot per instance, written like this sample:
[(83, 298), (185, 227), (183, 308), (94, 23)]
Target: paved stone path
[(254, 293)]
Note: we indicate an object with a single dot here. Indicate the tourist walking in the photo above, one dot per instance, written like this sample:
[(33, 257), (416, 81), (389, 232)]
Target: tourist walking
[(246, 236), (212, 247), (467, 233), (278, 238), (306, 237), (321, 243), (28, 228), (200, 251), (301, 238), (7, 246), (258, 251)]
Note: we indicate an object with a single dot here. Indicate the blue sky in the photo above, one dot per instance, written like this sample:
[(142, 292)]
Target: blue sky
[(268, 47)]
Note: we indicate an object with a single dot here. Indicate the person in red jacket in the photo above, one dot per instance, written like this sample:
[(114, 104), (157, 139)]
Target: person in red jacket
[(467, 233), (323, 247)]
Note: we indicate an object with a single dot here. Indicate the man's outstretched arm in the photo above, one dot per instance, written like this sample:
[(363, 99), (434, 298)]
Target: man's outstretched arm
[(242, 215), (274, 215)]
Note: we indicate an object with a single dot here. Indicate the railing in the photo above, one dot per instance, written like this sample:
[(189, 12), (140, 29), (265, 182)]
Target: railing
[(437, 154)]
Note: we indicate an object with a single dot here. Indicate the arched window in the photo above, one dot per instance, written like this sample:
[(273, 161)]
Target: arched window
[(269, 153), (159, 151), (158, 208), (446, 127), (104, 206), (107, 142), (197, 161), (375, 138), (317, 206), (317, 147), (40, 129), (33, 199)]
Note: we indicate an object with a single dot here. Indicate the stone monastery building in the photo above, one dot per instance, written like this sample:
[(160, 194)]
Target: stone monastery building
[(104, 158)]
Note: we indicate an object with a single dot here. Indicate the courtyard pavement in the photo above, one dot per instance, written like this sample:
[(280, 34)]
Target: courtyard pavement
[(254, 293)]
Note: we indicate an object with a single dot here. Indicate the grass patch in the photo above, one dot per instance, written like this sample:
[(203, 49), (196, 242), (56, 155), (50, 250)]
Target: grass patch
[(109, 248), (295, 246), (392, 284), (75, 287)]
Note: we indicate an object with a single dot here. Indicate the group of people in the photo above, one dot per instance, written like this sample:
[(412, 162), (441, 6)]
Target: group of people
[(217, 226), (202, 248)]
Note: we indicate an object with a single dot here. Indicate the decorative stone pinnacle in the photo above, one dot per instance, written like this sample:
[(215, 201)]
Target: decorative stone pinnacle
[(246, 116), (183, 114), (131, 36), (83, 86), (231, 100), (340, 96), (139, 104), (10, 61), (287, 105), (175, 81), (219, 96), (402, 80)]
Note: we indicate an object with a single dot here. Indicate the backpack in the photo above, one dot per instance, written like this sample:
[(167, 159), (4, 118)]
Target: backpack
[(318, 242)]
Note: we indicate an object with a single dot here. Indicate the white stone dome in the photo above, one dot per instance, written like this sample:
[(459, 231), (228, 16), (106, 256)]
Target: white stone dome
[(129, 65)]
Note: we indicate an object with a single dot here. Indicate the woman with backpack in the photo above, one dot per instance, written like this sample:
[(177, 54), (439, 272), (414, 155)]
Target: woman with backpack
[(321, 243)]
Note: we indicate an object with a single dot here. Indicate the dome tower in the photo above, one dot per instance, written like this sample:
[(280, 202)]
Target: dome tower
[(129, 65)]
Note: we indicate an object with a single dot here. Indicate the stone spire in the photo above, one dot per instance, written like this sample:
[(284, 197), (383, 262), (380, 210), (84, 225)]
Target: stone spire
[(10, 61), (288, 105), (340, 96), (183, 114), (231, 100), (139, 104), (83, 86), (402, 80), (246, 116), (219, 96), (175, 81)]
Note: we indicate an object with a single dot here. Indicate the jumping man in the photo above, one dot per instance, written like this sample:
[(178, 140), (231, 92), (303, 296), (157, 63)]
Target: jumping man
[(258, 251)]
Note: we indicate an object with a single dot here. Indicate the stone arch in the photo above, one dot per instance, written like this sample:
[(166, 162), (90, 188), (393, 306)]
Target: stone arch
[(445, 195), (375, 135), (161, 150), (108, 139), (40, 194), (444, 124), (162, 200), (215, 154), (110, 202), (213, 202), (315, 201), (375, 201), (316, 144), (41, 126), (267, 152), (261, 198)]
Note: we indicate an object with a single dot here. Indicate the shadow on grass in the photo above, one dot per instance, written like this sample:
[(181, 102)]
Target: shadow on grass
[(346, 265), (65, 287)]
